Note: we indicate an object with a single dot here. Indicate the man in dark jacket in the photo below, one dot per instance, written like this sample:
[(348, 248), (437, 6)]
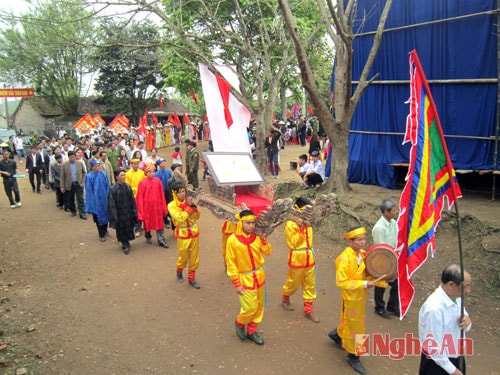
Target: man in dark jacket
[(122, 211)]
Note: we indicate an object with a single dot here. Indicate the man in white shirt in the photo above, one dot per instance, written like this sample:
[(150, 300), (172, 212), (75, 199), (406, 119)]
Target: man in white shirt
[(439, 325), (385, 231), (19, 146), (315, 174), (302, 165)]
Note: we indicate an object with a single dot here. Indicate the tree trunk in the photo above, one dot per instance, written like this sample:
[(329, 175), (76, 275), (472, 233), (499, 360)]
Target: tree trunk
[(283, 103), (261, 126)]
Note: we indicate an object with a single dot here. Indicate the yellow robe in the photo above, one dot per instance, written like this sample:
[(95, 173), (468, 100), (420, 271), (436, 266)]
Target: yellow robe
[(301, 262), (245, 267), (133, 178), (187, 234), (351, 279)]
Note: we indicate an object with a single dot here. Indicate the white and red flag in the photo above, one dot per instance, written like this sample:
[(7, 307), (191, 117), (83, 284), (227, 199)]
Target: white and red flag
[(228, 118)]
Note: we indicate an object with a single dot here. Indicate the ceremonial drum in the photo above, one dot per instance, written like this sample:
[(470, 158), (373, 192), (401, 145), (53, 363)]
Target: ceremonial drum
[(380, 260)]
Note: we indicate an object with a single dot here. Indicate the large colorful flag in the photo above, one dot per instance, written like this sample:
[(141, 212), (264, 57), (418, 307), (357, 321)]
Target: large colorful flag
[(186, 119), (229, 118), (160, 103), (431, 178)]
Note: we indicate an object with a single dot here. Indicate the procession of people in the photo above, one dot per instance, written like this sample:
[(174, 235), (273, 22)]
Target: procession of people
[(129, 188)]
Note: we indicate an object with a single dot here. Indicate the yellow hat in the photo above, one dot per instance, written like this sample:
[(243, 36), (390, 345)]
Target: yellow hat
[(149, 167), (355, 233)]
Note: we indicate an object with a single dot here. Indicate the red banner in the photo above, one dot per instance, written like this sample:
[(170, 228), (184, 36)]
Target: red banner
[(17, 93)]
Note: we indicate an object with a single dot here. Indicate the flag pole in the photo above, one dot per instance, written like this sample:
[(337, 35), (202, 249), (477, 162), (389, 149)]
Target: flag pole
[(459, 225)]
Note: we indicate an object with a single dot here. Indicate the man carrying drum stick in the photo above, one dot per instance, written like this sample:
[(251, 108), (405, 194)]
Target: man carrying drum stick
[(385, 231)]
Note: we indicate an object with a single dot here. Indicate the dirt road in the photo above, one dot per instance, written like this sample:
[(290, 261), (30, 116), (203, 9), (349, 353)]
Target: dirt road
[(73, 305)]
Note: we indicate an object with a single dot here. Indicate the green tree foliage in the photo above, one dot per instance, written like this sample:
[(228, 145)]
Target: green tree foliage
[(246, 34), (47, 48), (129, 66)]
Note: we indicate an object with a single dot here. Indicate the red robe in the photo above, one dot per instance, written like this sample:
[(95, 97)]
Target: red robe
[(151, 204)]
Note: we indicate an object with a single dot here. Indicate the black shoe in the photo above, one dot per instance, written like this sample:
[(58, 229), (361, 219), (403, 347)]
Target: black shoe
[(383, 314), (67, 209), (149, 240), (240, 331), (355, 363), (126, 247), (164, 244), (73, 214), (256, 338), (39, 192), (180, 279), (333, 335), (83, 217), (195, 284)]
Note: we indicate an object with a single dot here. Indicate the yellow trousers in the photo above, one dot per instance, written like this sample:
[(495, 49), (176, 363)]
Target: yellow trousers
[(304, 277), (188, 253), (252, 306)]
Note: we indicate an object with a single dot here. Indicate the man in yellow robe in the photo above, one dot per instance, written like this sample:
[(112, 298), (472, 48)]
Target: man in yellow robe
[(245, 266), (354, 282), (184, 214), (301, 262), (133, 177)]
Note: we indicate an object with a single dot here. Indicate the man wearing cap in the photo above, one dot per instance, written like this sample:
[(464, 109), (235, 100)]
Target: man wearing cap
[(8, 168), (96, 200), (151, 205), (122, 211), (353, 282), (245, 267), (133, 177), (72, 183), (113, 154), (315, 174), (301, 262), (193, 164), (184, 214), (163, 173)]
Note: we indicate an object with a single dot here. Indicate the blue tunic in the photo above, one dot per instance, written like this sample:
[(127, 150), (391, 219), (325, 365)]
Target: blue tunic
[(96, 200)]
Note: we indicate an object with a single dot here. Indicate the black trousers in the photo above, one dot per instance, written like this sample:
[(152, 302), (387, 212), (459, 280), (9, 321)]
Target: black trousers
[(59, 197), (392, 303), (429, 367), (101, 229), (76, 190), (35, 172), (10, 185)]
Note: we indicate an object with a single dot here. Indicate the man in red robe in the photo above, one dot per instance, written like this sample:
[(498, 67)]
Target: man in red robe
[(151, 205)]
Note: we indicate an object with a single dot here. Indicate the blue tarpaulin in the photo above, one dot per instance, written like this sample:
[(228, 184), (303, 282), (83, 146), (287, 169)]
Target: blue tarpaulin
[(453, 49)]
